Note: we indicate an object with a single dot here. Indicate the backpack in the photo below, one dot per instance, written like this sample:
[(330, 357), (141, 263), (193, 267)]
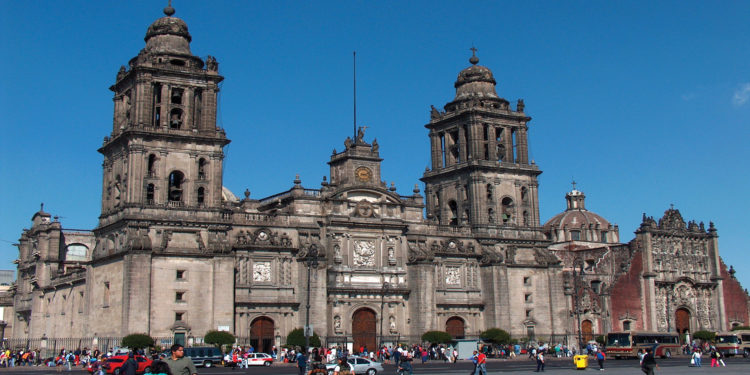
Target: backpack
[(599, 355)]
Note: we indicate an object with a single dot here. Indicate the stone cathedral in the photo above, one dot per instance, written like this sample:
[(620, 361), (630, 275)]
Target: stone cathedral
[(176, 254)]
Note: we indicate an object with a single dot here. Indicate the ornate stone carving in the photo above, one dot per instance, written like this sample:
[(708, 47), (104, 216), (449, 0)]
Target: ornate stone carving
[(392, 324), (337, 324), (364, 253), (262, 272), (453, 275), (418, 251)]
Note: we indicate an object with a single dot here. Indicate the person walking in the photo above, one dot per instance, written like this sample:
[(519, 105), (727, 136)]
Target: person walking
[(648, 364), (129, 367), (714, 357), (696, 358), (539, 361), (481, 364), (178, 363), (600, 359)]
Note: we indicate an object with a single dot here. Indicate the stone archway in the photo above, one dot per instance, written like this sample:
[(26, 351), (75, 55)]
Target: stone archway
[(261, 334), (682, 322), (364, 329), (587, 331), (456, 327)]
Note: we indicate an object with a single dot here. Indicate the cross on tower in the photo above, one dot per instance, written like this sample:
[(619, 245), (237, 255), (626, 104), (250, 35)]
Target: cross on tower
[(574, 184), (473, 51)]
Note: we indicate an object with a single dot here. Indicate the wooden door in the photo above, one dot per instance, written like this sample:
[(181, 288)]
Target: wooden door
[(682, 322), (364, 329), (261, 334), (587, 331), (455, 327)]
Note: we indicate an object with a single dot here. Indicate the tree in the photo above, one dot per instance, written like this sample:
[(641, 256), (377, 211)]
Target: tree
[(219, 338), (137, 341), (496, 336), (437, 337), (704, 335), (600, 339), (737, 328), (297, 338)]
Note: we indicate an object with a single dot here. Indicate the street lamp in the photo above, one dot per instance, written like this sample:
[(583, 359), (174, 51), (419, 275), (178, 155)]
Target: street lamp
[(312, 262), (383, 290), (579, 287), (3, 324)]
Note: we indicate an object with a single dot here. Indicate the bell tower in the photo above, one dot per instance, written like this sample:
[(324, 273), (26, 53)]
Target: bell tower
[(481, 175), (165, 150)]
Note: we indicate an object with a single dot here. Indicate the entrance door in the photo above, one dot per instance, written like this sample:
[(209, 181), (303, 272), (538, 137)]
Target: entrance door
[(587, 331), (682, 322), (364, 329), (455, 327), (179, 338), (261, 334)]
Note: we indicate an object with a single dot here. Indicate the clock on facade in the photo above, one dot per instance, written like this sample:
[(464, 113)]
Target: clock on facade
[(363, 174)]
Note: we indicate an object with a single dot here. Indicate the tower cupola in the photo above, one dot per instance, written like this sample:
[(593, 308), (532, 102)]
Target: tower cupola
[(168, 35), (475, 81)]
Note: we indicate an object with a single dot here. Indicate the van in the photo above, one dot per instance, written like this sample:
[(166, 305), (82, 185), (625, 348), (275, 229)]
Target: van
[(204, 356)]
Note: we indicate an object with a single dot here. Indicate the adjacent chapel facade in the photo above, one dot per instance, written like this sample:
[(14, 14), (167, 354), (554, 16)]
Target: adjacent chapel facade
[(177, 254)]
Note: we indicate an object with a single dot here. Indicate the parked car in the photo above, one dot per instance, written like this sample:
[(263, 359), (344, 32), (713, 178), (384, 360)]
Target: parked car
[(207, 356), (359, 365), (259, 359), (113, 364)]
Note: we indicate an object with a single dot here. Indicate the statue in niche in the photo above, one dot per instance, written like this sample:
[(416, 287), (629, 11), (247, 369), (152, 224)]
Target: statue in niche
[(392, 324), (337, 323)]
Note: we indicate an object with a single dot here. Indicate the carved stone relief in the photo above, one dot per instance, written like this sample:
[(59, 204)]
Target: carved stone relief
[(453, 275), (262, 272), (364, 253)]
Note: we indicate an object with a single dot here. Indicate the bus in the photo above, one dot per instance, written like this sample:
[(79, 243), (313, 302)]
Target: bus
[(626, 344), (733, 343)]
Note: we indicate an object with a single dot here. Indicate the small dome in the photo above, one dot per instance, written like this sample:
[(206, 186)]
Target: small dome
[(168, 35), (576, 223), (475, 81)]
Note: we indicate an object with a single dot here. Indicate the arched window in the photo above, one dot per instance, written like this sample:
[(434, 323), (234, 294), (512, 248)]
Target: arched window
[(490, 190), (526, 218), (151, 171), (454, 212), (491, 216), (176, 179), (150, 194), (175, 118), (626, 325), (201, 195), (507, 212), (524, 194), (202, 168)]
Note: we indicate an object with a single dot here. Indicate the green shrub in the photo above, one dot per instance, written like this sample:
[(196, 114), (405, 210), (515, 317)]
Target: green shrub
[(297, 338), (219, 338), (704, 335), (496, 336), (437, 337), (741, 328), (137, 341)]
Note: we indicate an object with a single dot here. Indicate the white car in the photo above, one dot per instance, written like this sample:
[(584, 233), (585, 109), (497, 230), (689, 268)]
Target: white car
[(259, 359), (358, 365)]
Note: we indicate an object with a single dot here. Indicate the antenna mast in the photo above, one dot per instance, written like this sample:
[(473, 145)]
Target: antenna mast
[(354, 54)]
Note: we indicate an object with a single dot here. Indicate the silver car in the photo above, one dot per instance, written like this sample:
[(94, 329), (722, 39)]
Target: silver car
[(358, 365)]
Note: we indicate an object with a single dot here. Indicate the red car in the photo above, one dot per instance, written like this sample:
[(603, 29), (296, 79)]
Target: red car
[(112, 364)]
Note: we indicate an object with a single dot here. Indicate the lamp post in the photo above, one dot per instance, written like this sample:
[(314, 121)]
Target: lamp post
[(3, 324), (579, 286), (383, 290), (312, 262)]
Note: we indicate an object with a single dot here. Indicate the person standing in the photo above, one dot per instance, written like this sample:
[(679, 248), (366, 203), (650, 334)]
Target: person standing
[(481, 364), (540, 361), (600, 359), (178, 363), (714, 357), (649, 362), (129, 367), (302, 362)]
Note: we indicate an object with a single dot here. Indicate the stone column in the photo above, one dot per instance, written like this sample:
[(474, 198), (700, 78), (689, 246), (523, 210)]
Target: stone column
[(522, 146), (436, 149), (462, 144), (492, 143), (508, 141)]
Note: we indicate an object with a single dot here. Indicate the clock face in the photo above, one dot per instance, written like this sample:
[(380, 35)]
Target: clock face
[(363, 174)]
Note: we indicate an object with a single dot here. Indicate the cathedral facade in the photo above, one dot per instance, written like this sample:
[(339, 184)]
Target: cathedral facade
[(177, 254)]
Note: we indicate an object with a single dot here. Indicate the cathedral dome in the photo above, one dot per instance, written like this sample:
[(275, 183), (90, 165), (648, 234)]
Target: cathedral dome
[(576, 223), (168, 35), (475, 81)]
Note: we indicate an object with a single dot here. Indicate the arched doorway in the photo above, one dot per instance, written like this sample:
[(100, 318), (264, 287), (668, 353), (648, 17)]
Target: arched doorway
[(682, 322), (364, 329), (587, 331), (261, 334), (456, 327)]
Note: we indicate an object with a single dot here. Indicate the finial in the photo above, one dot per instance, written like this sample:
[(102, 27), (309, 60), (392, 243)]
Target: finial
[(474, 59), (247, 193), (671, 206), (169, 11), (574, 184), (41, 209)]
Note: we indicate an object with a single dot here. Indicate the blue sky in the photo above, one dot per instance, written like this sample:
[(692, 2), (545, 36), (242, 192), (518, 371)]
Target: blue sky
[(645, 104)]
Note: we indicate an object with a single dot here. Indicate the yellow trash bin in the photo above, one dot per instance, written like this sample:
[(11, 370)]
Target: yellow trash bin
[(581, 361)]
